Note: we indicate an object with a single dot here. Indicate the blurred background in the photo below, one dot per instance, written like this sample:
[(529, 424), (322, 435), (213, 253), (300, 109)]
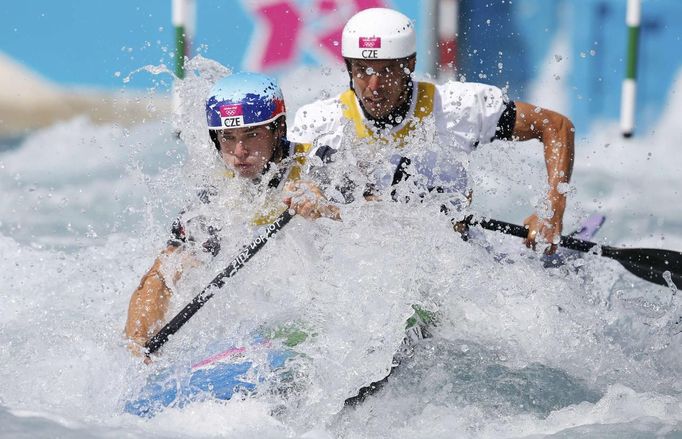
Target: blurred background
[(59, 59), (88, 98)]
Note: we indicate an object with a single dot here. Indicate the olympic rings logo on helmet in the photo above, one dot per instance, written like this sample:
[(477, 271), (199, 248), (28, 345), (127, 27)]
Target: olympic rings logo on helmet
[(244, 100)]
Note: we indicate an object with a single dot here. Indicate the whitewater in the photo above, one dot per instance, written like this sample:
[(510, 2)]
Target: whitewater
[(519, 351)]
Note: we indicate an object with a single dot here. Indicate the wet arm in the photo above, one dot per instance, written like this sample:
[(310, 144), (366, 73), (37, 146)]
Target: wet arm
[(557, 134), (148, 304)]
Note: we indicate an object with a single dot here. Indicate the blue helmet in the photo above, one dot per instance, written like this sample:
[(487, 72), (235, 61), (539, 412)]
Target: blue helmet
[(243, 100)]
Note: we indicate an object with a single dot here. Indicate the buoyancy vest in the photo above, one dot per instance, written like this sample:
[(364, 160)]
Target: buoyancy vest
[(423, 108)]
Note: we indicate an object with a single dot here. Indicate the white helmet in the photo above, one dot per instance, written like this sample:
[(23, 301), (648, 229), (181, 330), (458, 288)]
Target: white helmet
[(378, 33)]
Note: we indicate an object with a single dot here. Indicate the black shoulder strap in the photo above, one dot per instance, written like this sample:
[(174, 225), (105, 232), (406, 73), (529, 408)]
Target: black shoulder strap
[(325, 153), (400, 175), (401, 172)]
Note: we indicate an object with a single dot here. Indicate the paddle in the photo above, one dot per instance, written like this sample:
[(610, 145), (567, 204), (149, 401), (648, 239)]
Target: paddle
[(200, 299), (647, 263)]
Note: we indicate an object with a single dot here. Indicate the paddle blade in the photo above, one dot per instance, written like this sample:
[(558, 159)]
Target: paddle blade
[(649, 263)]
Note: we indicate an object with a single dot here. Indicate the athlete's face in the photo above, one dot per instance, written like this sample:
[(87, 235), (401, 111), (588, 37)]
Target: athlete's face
[(381, 85), (247, 150)]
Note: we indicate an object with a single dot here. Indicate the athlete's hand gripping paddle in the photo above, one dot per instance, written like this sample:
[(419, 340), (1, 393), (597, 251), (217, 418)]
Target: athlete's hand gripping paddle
[(654, 265), (200, 299)]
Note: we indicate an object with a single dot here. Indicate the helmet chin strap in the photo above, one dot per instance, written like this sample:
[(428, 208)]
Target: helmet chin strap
[(280, 150), (350, 73), (281, 153)]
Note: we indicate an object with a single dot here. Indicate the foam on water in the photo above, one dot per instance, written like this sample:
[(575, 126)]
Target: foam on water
[(519, 350)]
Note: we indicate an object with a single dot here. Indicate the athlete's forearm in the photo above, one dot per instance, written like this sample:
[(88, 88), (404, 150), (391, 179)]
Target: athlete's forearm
[(148, 304), (558, 139), (557, 134)]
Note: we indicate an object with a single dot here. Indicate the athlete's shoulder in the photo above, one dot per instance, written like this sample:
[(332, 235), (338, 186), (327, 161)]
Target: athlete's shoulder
[(296, 153), (300, 148), (464, 95), (471, 109), (315, 119), (467, 87)]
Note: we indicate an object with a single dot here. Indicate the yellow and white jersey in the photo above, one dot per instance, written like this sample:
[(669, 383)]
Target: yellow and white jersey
[(443, 124)]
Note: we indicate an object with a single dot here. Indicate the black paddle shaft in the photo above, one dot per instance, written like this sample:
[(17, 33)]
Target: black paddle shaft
[(655, 265), (200, 299)]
